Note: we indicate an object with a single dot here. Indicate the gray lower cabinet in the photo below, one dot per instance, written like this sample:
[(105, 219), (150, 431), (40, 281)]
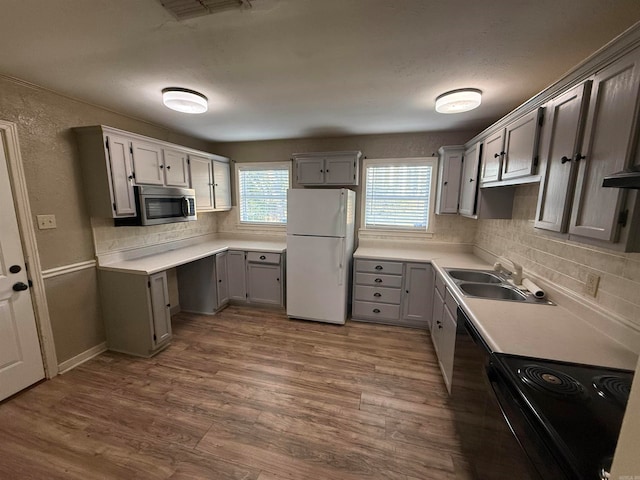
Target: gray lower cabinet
[(136, 312), (256, 277), (395, 293), (202, 284), (443, 328)]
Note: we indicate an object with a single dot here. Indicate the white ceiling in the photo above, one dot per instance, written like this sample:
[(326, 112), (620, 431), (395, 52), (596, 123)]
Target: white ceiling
[(301, 68)]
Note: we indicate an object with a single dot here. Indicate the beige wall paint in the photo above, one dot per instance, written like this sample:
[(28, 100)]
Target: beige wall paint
[(52, 169), (562, 262), (422, 144)]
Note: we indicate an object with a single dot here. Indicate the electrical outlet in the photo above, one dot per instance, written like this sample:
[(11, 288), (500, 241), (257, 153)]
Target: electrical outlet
[(46, 221), (591, 285)]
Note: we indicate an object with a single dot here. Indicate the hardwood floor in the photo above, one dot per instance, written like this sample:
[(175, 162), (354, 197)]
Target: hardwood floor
[(245, 394)]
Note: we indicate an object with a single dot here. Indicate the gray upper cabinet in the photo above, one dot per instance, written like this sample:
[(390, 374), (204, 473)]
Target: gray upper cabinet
[(608, 146), (469, 181), (176, 168), (147, 163), (449, 173), (327, 168), (521, 146), (124, 202), (512, 152), (492, 153), (561, 143), (211, 180)]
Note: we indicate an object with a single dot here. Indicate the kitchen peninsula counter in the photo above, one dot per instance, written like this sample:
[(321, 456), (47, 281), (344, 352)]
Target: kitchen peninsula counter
[(564, 331)]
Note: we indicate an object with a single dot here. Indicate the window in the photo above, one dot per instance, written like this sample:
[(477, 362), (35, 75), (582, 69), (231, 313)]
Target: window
[(398, 193), (262, 192)]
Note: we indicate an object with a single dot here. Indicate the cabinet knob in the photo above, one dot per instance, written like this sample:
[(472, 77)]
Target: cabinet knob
[(220, 281), (470, 180), (168, 167), (168, 305), (496, 155), (161, 166), (277, 279), (406, 291), (378, 267), (579, 157), (377, 294), (262, 257), (445, 183), (565, 159), (376, 310), (15, 268), (321, 171), (378, 280), (327, 170), (439, 326), (130, 177)]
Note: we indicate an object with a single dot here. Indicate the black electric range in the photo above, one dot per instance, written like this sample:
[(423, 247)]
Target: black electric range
[(566, 416)]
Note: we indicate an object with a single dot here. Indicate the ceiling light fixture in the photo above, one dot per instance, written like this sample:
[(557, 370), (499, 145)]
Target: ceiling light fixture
[(183, 100), (457, 101)]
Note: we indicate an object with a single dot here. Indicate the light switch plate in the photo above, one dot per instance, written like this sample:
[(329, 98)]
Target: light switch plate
[(46, 221), (591, 285)]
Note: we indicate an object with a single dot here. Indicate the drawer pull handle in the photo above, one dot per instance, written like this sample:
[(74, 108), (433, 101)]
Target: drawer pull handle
[(377, 294), (378, 280), (376, 310), (262, 257), (378, 267)]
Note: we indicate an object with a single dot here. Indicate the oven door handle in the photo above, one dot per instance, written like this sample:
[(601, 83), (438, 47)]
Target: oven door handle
[(185, 207)]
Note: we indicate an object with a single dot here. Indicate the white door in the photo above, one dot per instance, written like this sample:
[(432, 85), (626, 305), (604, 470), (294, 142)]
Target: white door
[(317, 279), (317, 212), (20, 357), (160, 308)]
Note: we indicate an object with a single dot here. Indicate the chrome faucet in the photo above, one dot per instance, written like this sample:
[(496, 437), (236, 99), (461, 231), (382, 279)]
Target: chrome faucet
[(513, 269)]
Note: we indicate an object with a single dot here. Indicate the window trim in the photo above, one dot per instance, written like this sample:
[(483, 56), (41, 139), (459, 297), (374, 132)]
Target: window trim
[(403, 232), (257, 166)]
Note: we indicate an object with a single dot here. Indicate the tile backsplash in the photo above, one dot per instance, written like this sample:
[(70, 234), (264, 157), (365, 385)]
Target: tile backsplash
[(108, 238), (563, 262)]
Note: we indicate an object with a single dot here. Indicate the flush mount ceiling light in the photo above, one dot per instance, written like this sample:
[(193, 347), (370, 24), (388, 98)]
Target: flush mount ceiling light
[(457, 101), (183, 100)]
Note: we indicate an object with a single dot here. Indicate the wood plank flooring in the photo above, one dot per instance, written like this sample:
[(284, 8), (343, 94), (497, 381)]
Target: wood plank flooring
[(245, 394)]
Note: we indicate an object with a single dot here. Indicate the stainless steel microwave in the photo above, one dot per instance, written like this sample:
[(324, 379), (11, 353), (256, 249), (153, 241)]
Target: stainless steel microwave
[(158, 205)]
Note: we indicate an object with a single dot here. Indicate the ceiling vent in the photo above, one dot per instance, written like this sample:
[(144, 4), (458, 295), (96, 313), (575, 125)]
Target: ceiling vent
[(184, 9)]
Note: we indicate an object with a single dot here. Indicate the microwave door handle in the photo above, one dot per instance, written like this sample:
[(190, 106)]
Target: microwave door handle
[(185, 207)]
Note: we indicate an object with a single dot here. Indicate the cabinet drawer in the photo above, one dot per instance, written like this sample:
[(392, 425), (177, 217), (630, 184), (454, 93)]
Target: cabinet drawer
[(378, 280), (377, 294), (263, 257), (451, 303), (440, 284), (375, 266), (376, 310)]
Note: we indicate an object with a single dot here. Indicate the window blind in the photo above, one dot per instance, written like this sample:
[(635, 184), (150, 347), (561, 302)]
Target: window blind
[(263, 194), (397, 196)]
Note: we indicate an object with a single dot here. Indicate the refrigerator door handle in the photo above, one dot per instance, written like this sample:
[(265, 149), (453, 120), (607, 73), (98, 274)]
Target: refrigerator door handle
[(343, 212), (341, 265)]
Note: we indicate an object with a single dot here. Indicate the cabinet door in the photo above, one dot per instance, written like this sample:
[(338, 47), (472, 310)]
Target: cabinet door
[(236, 276), (147, 163), (202, 182), (469, 183), (340, 170), (160, 308), (492, 153), (263, 282), (450, 170), (222, 288), (418, 280), (310, 171), (221, 185), (561, 140), (521, 146), (121, 176), (609, 140), (447, 344), (176, 169), (436, 319)]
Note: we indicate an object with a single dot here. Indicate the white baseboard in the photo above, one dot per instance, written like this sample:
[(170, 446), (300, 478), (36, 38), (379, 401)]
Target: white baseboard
[(79, 359)]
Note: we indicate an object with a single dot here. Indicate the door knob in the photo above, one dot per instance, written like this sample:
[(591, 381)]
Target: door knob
[(15, 268), (19, 287)]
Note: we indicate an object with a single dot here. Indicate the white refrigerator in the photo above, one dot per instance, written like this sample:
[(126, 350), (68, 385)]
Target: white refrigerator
[(320, 238)]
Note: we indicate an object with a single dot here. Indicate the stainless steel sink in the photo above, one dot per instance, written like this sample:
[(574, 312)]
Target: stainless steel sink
[(477, 276), (492, 291)]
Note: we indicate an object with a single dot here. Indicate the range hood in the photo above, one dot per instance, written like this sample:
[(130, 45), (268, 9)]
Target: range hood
[(629, 178)]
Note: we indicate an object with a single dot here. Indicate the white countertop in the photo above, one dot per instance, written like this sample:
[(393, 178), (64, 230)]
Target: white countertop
[(543, 331), (158, 260)]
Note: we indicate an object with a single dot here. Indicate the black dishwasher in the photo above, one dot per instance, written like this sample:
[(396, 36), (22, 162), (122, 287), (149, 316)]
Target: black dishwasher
[(487, 442)]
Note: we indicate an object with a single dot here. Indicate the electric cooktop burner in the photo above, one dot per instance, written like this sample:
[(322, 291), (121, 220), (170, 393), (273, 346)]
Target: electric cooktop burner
[(545, 379), (613, 387)]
